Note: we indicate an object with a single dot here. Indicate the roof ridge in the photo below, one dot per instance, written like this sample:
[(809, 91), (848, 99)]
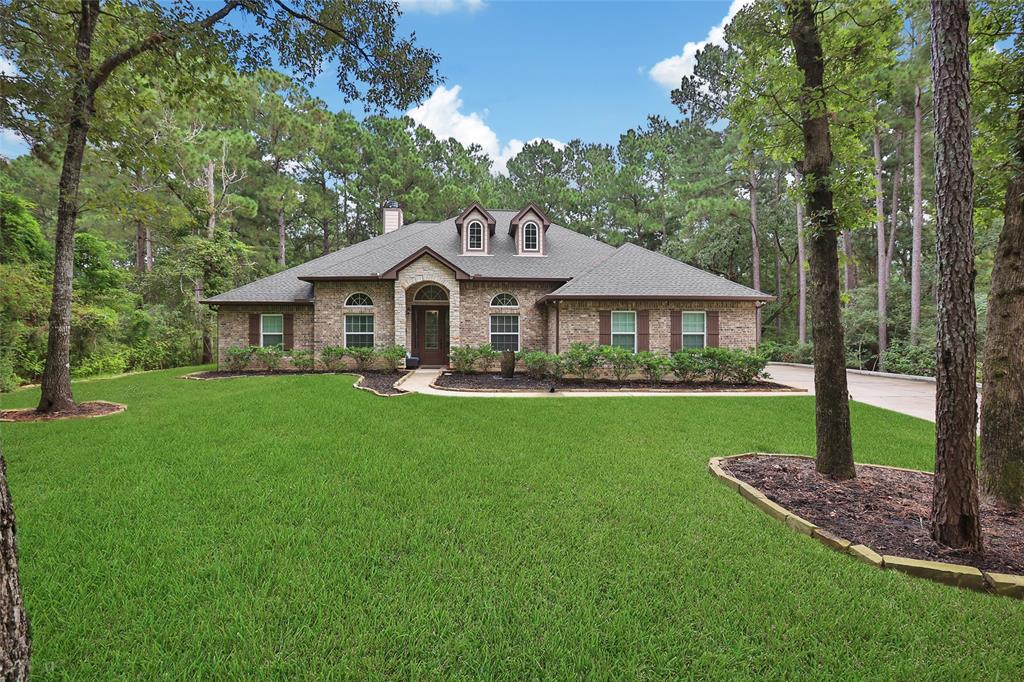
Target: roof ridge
[(391, 242)]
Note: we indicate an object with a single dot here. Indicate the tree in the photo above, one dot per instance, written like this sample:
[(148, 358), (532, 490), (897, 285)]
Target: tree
[(801, 273), (61, 81), (832, 409), (955, 517), (15, 641)]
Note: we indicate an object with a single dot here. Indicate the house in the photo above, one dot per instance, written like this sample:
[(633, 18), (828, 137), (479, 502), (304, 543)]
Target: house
[(511, 278)]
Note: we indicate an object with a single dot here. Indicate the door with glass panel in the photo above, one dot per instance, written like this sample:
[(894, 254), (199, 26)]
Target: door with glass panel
[(431, 335)]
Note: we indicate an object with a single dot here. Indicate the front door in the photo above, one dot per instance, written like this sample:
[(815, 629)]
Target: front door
[(431, 342)]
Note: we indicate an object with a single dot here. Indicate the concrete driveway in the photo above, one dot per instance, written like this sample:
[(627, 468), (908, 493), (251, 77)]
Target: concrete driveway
[(915, 397)]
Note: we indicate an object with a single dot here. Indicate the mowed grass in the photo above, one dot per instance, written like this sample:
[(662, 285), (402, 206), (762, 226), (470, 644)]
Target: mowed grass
[(293, 526)]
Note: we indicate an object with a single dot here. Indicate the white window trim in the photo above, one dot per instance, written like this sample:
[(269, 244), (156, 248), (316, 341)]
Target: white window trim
[(505, 307), (263, 315), (469, 236), (612, 332), (536, 227), (683, 333), (373, 334), (358, 305), (519, 322)]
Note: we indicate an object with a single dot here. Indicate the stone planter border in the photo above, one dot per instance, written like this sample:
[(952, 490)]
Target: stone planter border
[(396, 385), (195, 377), (956, 575), (121, 407)]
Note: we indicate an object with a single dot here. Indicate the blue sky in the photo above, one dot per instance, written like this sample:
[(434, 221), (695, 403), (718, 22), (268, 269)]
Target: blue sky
[(516, 70)]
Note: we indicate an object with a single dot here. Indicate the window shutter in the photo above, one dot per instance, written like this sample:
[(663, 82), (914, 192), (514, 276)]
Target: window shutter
[(712, 330), (289, 330), (676, 342), (643, 330), (254, 329), (604, 327)]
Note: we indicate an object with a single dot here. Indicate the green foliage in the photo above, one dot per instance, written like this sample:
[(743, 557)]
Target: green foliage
[(392, 357), (581, 360), (556, 366), (718, 365), (655, 366), (787, 352), (269, 357), (238, 359), (536, 363), (463, 359), (21, 240), (903, 358), (363, 356), (106, 361), (621, 361), (302, 359), (333, 357), (686, 365), (8, 379), (486, 356)]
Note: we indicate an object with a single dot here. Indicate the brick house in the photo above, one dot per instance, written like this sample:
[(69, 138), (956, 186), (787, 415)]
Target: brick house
[(509, 278)]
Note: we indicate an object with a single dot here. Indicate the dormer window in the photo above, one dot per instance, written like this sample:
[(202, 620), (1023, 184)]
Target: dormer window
[(476, 236), (531, 237)]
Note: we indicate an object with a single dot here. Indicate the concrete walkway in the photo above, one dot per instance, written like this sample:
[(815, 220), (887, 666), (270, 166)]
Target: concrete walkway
[(915, 397)]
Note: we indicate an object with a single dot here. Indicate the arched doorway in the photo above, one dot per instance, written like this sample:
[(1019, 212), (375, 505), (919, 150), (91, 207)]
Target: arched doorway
[(430, 332)]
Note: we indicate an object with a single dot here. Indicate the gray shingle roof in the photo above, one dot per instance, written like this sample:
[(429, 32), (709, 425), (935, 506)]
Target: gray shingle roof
[(595, 265)]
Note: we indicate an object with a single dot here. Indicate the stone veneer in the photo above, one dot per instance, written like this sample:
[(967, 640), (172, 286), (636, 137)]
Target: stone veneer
[(422, 270), (578, 321), (233, 325), (533, 319), (329, 319)]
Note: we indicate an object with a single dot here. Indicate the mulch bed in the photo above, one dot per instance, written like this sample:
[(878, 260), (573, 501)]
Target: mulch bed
[(230, 374), (522, 382), (382, 382), (885, 509), (378, 380), (98, 408)]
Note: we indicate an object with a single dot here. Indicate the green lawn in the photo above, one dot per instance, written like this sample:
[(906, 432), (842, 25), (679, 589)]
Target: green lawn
[(292, 525)]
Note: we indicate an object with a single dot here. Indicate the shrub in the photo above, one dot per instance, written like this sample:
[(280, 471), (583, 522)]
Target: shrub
[(269, 356), (536, 363), (654, 365), (463, 359), (110, 362), (556, 366), (486, 356), (621, 361), (902, 358), (715, 363), (302, 359), (238, 359), (363, 356), (686, 365), (9, 380), (802, 353), (332, 357), (743, 367), (581, 360), (392, 357)]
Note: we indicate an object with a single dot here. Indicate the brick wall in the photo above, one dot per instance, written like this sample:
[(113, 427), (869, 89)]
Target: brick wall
[(233, 325), (330, 311), (737, 321), (476, 312)]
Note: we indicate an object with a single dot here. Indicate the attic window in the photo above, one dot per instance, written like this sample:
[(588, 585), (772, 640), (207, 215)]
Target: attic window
[(504, 300), (431, 292), (475, 241), (531, 241), (359, 299)]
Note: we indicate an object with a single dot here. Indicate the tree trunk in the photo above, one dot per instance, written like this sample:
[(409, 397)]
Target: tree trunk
[(282, 237), (755, 247), (56, 381), (832, 410), (15, 638), (897, 180), (778, 291), (801, 273), (918, 221), (149, 250), (880, 243), (955, 519), (140, 246), (849, 266), (1002, 397)]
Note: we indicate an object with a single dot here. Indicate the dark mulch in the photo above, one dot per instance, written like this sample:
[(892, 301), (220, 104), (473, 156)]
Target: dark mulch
[(522, 382), (885, 509), (79, 411), (382, 382)]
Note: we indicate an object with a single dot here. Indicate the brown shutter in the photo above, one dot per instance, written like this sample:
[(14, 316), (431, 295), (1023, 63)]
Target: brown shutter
[(643, 330), (604, 327), (712, 330), (676, 342), (289, 330), (254, 329)]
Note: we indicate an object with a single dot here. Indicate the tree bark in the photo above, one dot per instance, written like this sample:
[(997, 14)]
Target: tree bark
[(15, 636), (955, 519), (880, 243), (894, 209), (778, 291), (849, 265), (282, 237), (56, 382), (755, 247), (149, 250), (140, 246), (801, 273), (832, 410), (918, 221), (1002, 396)]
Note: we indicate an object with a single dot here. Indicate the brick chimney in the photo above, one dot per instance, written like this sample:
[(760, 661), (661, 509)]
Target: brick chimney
[(392, 216)]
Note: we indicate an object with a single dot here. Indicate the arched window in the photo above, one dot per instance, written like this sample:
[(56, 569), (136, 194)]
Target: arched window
[(531, 237), (476, 236), (504, 300), (359, 299), (431, 292)]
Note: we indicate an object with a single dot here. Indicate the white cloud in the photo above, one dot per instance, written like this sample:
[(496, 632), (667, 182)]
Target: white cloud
[(440, 6), (7, 67), (442, 115), (670, 71)]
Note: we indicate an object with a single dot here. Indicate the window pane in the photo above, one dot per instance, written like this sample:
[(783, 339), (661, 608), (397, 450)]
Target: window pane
[(530, 237), (431, 292), (693, 322), (624, 322), (359, 323), (430, 337), (476, 236), (505, 342), (359, 299), (273, 324), (273, 340), (624, 341), (504, 301), (505, 332), (359, 340), (693, 340)]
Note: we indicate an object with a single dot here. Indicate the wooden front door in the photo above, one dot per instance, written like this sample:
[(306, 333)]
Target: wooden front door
[(431, 334)]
